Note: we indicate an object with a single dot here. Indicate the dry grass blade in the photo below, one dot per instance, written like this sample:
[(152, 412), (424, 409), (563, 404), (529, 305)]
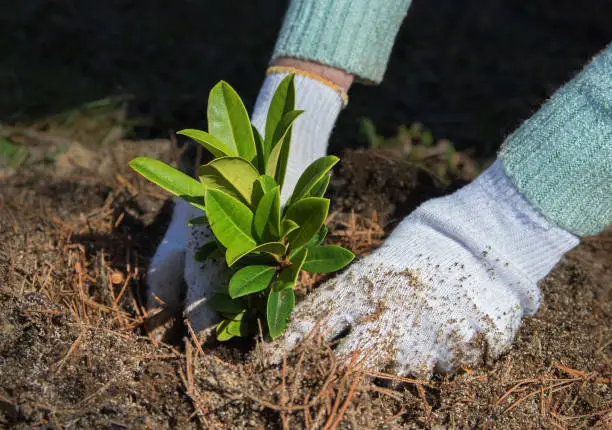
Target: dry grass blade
[(194, 337), (71, 351), (513, 389), (558, 396), (353, 370), (396, 378)]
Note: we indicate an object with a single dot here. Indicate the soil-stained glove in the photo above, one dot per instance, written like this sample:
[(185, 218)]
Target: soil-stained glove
[(310, 135), (448, 288), (165, 274)]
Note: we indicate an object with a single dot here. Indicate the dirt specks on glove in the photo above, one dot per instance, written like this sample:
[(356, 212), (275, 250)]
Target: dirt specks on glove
[(447, 289)]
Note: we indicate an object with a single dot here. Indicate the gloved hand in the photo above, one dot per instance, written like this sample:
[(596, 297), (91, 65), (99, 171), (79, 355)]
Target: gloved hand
[(174, 260), (448, 287)]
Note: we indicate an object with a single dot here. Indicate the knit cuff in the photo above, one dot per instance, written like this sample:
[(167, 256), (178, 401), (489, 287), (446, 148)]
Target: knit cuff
[(532, 242), (352, 35), (561, 158)]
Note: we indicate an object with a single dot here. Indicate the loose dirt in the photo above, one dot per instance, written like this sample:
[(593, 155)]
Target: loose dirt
[(73, 351)]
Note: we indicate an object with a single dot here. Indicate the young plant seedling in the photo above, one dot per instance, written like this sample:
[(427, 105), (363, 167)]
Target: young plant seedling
[(265, 246)]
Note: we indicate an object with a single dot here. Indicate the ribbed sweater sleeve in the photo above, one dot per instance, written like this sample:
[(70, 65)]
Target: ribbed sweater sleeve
[(352, 35), (561, 158)]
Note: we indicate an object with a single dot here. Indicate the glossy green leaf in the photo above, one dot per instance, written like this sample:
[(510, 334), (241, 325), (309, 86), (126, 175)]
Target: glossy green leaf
[(309, 213), (267, 183), (283, 128), (232, 175), (225, 304), (289, 275), (208, 141), (318, 238), (276, 249), (201, 220), (266, 222), (319, 189), (170, 179), (230, 221), (222, 332), (206, 251), (315, 240), (327, 259), (262, 156), (238, 325), (14, 155), (283, 157), (279, 152), (279, 308), (273, 160), (282, 102), (251, 279), (313, 174), (229, 121), (287, 226), (264, 184)]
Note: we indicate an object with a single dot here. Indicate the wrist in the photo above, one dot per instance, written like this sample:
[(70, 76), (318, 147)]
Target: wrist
[(336, 76)]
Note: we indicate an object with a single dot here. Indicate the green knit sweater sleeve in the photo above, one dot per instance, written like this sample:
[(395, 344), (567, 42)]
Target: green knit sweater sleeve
[(561, 158), (352, 35)]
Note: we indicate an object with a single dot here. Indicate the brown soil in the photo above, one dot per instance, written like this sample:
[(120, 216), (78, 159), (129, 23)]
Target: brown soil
[(73, 352)]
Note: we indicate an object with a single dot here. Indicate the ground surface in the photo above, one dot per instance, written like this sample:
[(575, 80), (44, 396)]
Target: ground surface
[(73, 352), (77, 228)]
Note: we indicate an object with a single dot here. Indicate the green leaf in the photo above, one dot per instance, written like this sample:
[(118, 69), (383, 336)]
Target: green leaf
[(230, 221), (251, 279), (201, 220), (223, 334), (279, 308), (206, 251), (327, 259), (281, 142), (11, 154), (223, 303), (283, 157), (239, 325), (229, 122), (313, 174), (282, 102), (315, 240), (276, 249), (170, 179), (319, 189), (309, 213), (264, 184), (318, 238), (273, 160), (289, 275), (267, 183), (284, 126), (287, 227), (208, 141), (262, 156), (266, 222), (232, 175)]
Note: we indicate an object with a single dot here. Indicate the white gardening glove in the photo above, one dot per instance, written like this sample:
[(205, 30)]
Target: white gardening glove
[(310, 135), (165, 274), (448, 288)]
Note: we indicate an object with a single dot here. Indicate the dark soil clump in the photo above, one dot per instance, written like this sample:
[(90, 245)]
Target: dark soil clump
[(380, 181)]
